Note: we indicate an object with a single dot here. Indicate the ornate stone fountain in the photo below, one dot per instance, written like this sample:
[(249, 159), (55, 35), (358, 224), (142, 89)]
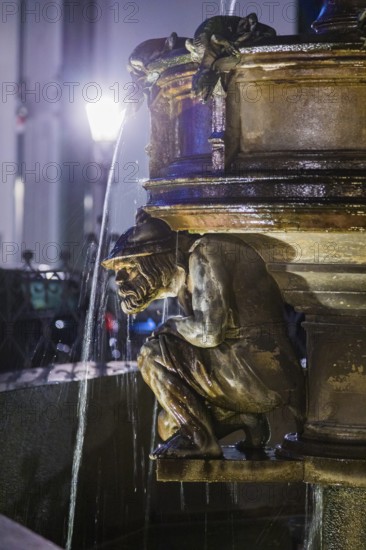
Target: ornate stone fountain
[(277, 158)]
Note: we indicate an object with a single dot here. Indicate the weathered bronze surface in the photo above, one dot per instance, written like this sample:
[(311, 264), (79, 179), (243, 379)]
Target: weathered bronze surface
[(218, 36), (150, 50), (143, 57), (229, 360)]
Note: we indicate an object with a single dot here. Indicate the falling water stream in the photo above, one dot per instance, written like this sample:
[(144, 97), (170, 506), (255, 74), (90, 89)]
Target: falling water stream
[(231, 10), (87, 350), (150, 475), (313, 528), (152, 447)]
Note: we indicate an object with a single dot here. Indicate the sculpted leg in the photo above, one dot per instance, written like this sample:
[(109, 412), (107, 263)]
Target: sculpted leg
[(195, 436), (255, 426), (167, 426)]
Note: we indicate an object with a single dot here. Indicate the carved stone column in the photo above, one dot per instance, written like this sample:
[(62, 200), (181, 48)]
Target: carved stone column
[(180, 125), (334, 299)]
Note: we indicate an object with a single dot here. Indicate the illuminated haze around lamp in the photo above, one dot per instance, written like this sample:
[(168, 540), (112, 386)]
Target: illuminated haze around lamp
[(105, 118)]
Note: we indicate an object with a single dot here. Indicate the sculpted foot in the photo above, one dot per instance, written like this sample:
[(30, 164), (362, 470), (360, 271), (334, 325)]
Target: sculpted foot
[(180, 446), (257, 434), (252, 453)]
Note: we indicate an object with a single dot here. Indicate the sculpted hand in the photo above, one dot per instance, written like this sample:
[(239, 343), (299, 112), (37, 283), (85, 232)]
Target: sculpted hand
[(231, 49), (244, 38), (228, 46), (169, 327)]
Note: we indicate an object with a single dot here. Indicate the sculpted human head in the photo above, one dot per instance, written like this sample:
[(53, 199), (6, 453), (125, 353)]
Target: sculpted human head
[(247, 23), (146, 260), (142, 279)]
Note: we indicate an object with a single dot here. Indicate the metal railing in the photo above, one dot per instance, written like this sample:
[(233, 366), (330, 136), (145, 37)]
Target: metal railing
[(41, 315)]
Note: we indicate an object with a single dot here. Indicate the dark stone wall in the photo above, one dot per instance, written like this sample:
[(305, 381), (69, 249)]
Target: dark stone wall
[(117, 491), (38, 429)]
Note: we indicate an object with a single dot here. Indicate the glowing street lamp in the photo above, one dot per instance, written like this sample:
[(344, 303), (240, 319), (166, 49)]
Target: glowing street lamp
[(105, 118)]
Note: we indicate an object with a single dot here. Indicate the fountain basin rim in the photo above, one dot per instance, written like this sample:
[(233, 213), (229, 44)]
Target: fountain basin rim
[(263, 217), (357, 178), (317, 49), (281, 44), (63, 373)]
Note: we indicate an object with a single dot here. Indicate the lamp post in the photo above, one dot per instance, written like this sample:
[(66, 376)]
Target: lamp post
[(105, 118)]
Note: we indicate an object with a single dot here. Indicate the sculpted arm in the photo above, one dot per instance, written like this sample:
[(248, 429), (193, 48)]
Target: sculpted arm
[(229, 47), (207, 326)]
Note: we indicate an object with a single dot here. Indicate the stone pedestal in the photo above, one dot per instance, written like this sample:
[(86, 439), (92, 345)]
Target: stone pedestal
[(336, 425), (338, 521)]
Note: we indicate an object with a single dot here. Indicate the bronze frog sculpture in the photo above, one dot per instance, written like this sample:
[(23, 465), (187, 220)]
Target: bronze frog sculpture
[(219, 36)]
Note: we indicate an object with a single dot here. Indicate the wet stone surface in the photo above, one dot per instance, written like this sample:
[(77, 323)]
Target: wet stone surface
[(249, 467)]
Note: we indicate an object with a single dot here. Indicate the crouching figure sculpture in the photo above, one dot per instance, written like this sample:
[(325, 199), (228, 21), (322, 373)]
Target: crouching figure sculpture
[(228, 361)]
